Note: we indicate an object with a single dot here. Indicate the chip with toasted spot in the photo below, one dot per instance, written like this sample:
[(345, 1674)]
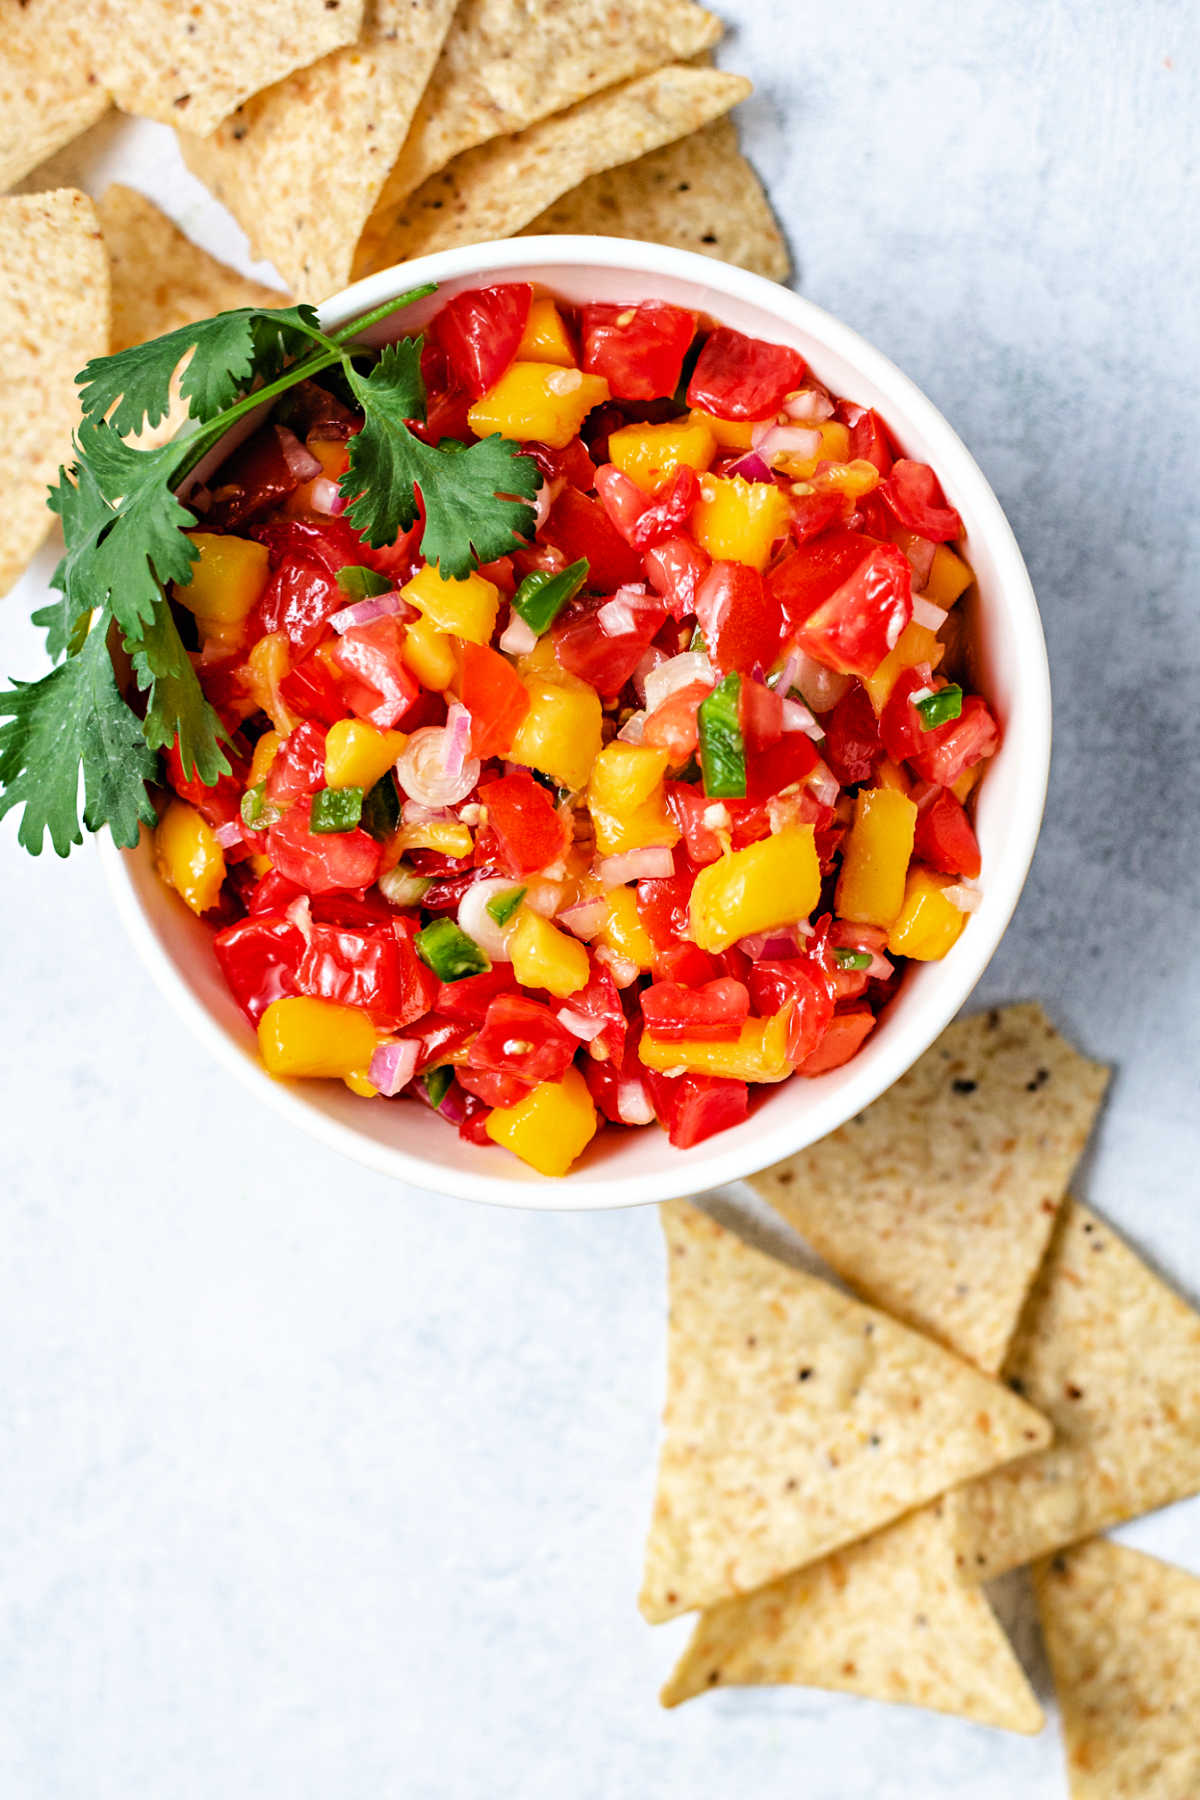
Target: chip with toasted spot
[(938, 1201), (1122, 1632), (48, 94), (797, 1420)]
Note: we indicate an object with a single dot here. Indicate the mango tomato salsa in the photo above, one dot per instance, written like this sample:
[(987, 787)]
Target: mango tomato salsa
[(628, 825)]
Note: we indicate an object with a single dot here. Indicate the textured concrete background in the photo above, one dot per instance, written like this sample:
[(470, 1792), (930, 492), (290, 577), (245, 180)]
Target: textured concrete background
[(316, 1487)]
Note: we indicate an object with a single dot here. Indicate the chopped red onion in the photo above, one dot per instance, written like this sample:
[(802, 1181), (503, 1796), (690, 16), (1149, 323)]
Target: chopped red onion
[(716, 817), (963, 894), (796, 717), (653, 863), (393, 1066), (920, 553), (751, 467), (767, 945), (824, 786), (584, 919), (809, 405), (623, 969), (668, 677), (634, 728), (413, 812), (773, 441), (585, 1029), (326, 497), (820, 687), (518, 637), (458, 738), (230, 834), (633, 1102), (454, 1104), (425, 771), (375, 606), (299, 459), (785, 680), (619, 615), (927, 614)]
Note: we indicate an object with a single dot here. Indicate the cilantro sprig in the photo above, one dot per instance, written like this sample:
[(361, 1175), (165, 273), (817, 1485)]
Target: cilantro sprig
[(125, 534)]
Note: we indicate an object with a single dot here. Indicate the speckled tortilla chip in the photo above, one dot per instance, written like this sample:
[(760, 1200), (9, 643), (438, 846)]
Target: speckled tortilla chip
[(938, 1201), (301, 165), (507, 63), (697, 194), (797, 1420), (48, 94), (490, 192), (1112, 1357), (54, 315), (888, 1618), (192, 64), (1123, 1634)]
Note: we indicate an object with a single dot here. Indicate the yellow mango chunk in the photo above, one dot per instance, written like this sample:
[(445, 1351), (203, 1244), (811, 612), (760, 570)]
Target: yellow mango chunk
[(623, 932), (949, 577), (188, 856), (306, 1037), (542, 956), (731, 434), (648, 825), (650, 454), (359, 1082), (535, 400), (266, 666), (466, 608), (916, 644), (624, 776), (929, 925), (550, 1128), (758, 1053), (357, 754), (450, 837), (265, 752), (227, 580), (774, 882), (738, 521), (875, 856), (560, 734), (546, 339), (853, 479), (429, 653)]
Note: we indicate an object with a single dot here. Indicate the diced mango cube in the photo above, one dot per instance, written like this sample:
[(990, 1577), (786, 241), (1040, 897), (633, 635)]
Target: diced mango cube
[(929, 925), (542, 956), (875, 856), (949, 577), (759, 1053), (429, 653), (466, 608), (228, 578), (624, 776), (449, 837), (358, 754), (834, 447), (301, 1036), (550, 1128), (268, 662), (731, 434), (359, 1082), (188, 856), (739, 521), (915, 645), (650, 454), (774, 882), (265, 752), (647, 826), (536, 400), (966, 781), (623, 932), (560, 734), (546, 339)]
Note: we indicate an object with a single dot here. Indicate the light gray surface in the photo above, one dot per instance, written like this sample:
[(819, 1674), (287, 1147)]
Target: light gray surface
[(316, 1487)]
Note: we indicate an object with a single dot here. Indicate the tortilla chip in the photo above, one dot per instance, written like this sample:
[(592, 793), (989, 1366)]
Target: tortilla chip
[(491, 191), (1112, 1356), (797, 1420), (888, 1618), (1123, 1634), (937, 1202), (697, 194), (47, 94), (54, 315), (508, 63), (191, 65), (301, 165)]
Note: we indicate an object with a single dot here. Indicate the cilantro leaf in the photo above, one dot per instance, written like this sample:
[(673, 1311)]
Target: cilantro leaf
[(226, 354), (74, 716), (476, 498), (126, 555), (177, 705), (85, 513)]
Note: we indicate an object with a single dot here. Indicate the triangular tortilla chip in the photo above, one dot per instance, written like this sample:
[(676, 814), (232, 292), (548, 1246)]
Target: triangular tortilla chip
[(301, 165), (48, 95), (797, 1420), (697, 194), (938, 1201), (888, 1618), (191, 65), (490, 192), (54, 315), (507, 63), (1123, 1635), (1112, 1356)]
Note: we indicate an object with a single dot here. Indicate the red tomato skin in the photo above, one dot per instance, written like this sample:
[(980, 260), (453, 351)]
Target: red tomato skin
[(663, 908), (299, 766), (740, 620), (853, 748), (523, 825), (900, 722), (480, 332), (842, 1040), (687, 805), (814, 513), (858, 624), (572, 464), (605, 662), (494, 695), (673, 725), (321, 862), (473, 1127), (259, 957), (785, 764), (447, 403), (808, 575), (374, 655), (521, 1037), (869, 438), (665, 516), (580, 527), (638, 350), (220, 804), (675, 569), (600, 999), (686, 963), (738, 377), (914, 494), (439, 1039), (471, 997), (313, 691), (299, 598), (949, 750), (494, 1087), (376, 970), (801, 981), (692, 1108), (760, 711), (945, 839), (713, 1013)]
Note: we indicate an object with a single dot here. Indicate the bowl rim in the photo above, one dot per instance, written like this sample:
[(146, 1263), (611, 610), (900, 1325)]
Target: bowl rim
[(593, 1190)]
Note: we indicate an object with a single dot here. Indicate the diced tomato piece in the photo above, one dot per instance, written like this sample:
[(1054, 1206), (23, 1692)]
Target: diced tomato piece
[(842, 1040), (313, 690), (298, 599), (945, 839), (809, 574), (869, 439), (472, 1128), (601, 1000), (661, 521), (738, 377), (695, 1107), (801, 982), (273, 894), (480, 331), (374, 654), (375, 969), (321, 862), (639, 350), (259, 957), (900, 723), (471, 997), (580, 527), (675, 569), (220, 804), (685, 963), (781, 765), (447, 402), (814, 513), (914, 494), (439, 1038), (663, 907), (761, 714), (331, 542), (949, 750), (687, 805), (493, 1086), (739, 617), (299, 766), (354, 910), (522, 1037), (605, 661), (673, 725), (523, 825), (494, 695), (572, 464), (858, 624), (714, 1013), (853, 748)]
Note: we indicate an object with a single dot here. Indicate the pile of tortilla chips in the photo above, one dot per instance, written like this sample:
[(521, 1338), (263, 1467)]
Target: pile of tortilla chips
[(838, 1475), (344, 136)]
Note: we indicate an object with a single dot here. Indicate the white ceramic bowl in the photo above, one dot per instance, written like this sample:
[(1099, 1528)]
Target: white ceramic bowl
[(624, 1168)]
